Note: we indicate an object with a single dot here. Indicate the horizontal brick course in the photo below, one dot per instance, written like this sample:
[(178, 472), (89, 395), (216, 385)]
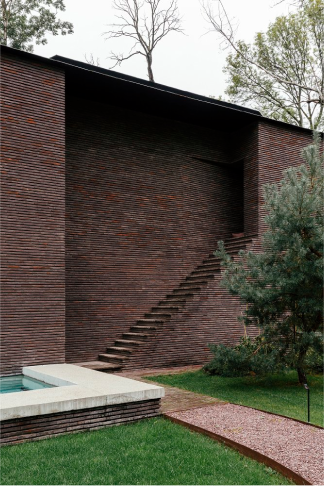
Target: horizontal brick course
[(142, 212), (32, 214), (92, 243), (25, 429)]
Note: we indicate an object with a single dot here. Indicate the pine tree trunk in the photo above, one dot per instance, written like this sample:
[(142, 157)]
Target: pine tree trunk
[(301, 367), (302, 376)]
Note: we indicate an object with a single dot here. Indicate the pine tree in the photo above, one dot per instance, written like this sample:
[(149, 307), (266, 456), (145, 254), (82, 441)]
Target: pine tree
[(283, 285)]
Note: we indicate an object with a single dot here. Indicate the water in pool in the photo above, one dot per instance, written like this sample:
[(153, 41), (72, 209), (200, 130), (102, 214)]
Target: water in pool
[(17, 383)]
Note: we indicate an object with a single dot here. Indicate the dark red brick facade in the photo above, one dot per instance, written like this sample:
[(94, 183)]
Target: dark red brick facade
[(117, 206), (32, 214), (141, 214)]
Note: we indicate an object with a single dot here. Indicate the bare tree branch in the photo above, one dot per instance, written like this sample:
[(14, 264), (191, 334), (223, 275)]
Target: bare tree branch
[(91, 60), (146, 22), (221, 23)]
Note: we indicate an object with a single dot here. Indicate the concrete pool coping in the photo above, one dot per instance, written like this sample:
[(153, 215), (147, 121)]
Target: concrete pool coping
[(75, 388)]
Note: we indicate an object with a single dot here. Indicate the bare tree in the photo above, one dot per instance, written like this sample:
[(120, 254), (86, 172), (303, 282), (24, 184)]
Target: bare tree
[(146, 22), (263, 65)]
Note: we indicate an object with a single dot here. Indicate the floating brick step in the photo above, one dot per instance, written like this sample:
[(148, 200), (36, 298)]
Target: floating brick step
[(213, 258), (165, 307), (158, 315), (208, 269), (145, 329), (149, 320), (100, 366), (240, 238), (176, 299), (185, 292), (119, 350), (199, 276), (125, 343), (136, 336), (236, 246), (195, 284), (112, 358)]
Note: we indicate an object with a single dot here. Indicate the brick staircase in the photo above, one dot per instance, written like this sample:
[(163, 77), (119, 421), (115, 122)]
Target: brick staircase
[(144, 329)]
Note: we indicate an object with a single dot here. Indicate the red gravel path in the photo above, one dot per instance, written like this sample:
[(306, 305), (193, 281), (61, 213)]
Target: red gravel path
[(298, 446)]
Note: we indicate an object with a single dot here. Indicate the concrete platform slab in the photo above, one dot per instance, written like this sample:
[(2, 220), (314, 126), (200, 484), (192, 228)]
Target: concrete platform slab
[(77, 388)]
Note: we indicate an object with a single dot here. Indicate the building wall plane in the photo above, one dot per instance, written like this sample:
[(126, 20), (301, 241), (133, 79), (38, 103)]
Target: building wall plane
[(32, 214)]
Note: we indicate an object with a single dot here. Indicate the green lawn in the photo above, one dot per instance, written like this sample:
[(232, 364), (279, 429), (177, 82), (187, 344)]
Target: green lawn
[(153, 451), (275, 393)]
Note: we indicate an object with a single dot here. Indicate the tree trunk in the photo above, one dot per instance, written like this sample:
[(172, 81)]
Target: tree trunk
[(149, 68), (4, 14), (300, 366), (301, 376)]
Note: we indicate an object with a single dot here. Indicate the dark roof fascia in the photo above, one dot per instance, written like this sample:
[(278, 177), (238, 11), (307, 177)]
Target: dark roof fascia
[(155, 86), (64, 63), (271, 121)]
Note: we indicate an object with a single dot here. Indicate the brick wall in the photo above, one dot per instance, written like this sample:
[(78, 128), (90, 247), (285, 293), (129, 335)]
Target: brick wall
[(39, 427), (142, 213), (32, 210), (280, 147)]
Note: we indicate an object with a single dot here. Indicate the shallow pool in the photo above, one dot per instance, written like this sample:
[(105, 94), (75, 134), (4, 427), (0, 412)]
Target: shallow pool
[(17, 383)]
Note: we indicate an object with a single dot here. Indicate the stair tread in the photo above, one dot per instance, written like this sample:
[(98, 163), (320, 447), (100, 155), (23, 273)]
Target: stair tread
[(148, 320), (119, 348), (129, 341), (113, 356), (143, 327), (137, 334), (169, 308), (98, 365)]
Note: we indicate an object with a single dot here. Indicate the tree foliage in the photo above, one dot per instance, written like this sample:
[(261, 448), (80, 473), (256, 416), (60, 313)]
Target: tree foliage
[(283, 285), (26, 21), (282, 72)]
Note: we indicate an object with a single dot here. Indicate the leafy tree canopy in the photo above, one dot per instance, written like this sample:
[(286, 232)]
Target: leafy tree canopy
[(26, 21), (283, 285), (282, 72)]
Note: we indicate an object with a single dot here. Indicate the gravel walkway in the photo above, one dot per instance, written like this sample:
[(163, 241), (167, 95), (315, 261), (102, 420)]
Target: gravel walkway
[(298, 446)]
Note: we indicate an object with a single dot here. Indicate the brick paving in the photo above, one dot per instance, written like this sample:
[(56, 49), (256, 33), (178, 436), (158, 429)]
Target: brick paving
[(175, 399)]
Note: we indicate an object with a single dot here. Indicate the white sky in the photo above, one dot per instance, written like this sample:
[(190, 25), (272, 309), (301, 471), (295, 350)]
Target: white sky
[(192, 62)]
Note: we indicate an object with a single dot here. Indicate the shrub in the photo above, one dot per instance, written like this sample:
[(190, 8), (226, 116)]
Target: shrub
[(249, 356)]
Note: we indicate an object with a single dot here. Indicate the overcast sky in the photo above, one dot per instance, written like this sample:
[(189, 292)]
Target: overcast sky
[(192, 62)]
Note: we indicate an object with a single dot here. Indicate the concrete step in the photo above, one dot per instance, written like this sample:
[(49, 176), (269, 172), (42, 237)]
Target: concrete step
[(112, 358), (100, 366), (136, 336), (125, 343), (119, 350)]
